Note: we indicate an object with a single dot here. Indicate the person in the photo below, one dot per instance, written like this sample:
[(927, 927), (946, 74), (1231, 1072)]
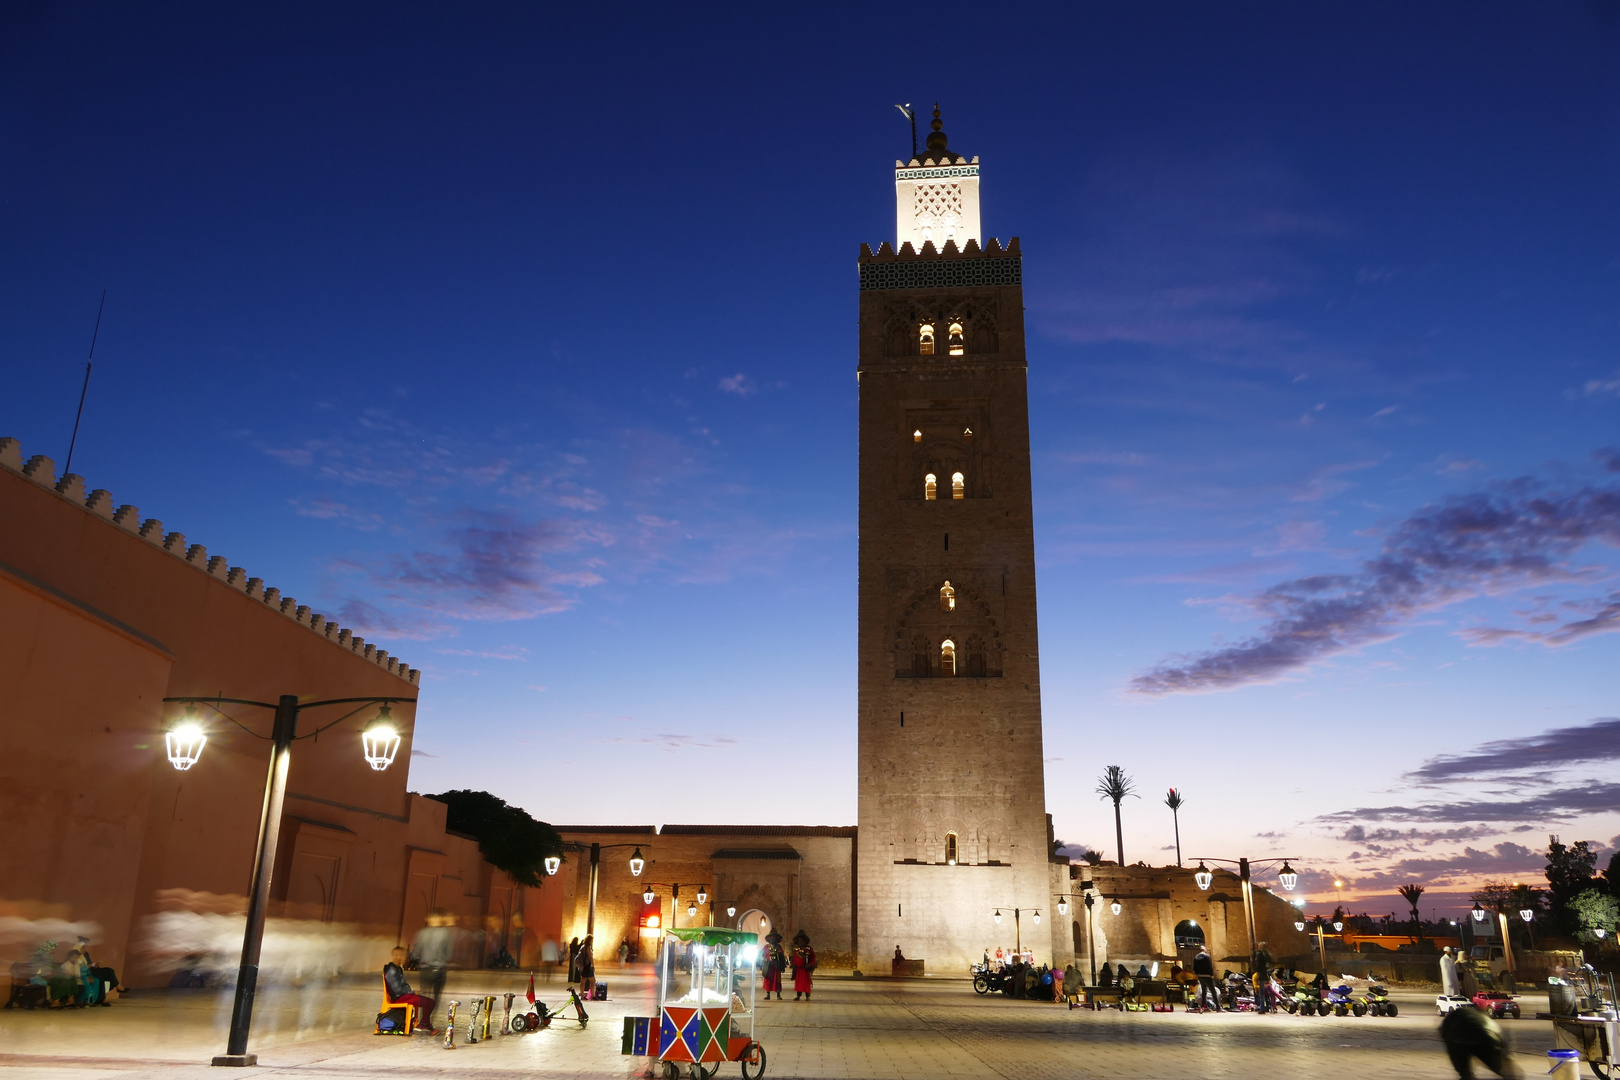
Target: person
[(587, 964), (1127, 986), (435, 945), (1449, 983), (1107, 976), (624, 952), (399, 990), (1072, 982), (774, 964), (898, 955), (548, 957), (1262, 979), (1204, 970), (573, 961), (106, 978), (804, 963), (1001, 958), (1057, 983), (1470, 1033)]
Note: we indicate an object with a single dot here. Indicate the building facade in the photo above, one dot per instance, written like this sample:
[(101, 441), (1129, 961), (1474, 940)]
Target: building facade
[(102, 616)]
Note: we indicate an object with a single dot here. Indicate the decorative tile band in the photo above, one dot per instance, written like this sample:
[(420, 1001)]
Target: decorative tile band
[(905, 173), (942, 273)]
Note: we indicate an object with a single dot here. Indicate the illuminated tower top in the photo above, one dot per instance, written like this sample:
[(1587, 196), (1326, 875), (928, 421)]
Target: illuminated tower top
[(936, 196)]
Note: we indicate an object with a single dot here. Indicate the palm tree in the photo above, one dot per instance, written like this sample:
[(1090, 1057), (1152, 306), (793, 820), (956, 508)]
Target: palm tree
[(1114, 784), (1174, 801), (1412, 893)]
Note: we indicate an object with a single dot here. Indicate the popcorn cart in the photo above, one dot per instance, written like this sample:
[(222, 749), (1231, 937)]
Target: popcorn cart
[(706, 1012)]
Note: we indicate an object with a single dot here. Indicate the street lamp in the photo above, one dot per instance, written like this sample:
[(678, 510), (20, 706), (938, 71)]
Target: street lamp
[(1063, 905), (637, 863), (184, 746), (1299, 924), (647, 895), (731, 911), (1478, 912), (703, 894), (553, 863), (1286, 875), (1115, 907)]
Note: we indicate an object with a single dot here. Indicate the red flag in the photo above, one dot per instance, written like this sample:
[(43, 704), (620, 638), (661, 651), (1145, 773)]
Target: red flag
[(531, 988)]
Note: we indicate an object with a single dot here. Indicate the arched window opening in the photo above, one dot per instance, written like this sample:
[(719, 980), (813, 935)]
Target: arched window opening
[(947, 597), (916, 436), (954, 340), (930, 486), (967, 433), (958, 486), (947, 658), (976, 665), (950, 849), (925, 339), (1189, 935), (922, 664)]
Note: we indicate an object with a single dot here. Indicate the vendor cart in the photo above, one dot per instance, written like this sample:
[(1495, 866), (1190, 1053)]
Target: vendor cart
[(706, 1011), (1584, 1019)]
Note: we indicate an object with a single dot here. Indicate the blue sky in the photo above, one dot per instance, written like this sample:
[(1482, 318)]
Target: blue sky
[(522, 340)]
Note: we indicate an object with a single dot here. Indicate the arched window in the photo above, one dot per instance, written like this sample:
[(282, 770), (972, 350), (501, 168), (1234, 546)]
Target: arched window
[(967, 433), (954, 340), (930, 486), (947, 658), (947, 597), (958, 486), (950, 849), (925, 339), (916, 436)]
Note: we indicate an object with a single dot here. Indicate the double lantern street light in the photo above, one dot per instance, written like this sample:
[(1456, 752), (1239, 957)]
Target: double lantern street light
[(649, 895), (637, 865), (1286, 876), (184, 745)]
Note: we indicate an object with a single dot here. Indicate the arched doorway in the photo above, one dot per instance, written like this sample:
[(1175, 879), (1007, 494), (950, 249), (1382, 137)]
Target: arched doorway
[(754, 921), (1189, 939)]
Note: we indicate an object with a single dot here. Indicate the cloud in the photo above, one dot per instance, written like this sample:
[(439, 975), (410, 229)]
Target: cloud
[(738, 384), (1360, 834), (672, 742), (1598, 740), (504, 652), (1103, 457), (495, 568), (332, 510), (1608, 457), (1603, 387), (1327, 481), (1507, 536), (1605, 619), (1593, 797), (1505, 859)]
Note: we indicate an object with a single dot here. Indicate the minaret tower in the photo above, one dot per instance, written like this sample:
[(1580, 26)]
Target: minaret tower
[(952, 792)]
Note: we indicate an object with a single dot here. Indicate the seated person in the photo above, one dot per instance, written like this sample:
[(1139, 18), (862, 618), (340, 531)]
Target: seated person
[(399, 990)]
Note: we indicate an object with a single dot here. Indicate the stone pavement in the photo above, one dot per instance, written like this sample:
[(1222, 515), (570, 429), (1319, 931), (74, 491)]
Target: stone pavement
[(874, 1029)]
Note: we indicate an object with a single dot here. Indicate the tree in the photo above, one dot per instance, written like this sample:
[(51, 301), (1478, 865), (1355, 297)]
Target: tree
[(1115, 785), (1174, 802), (1569, 873), (1595, 910), (1611, 874), (507, 836), (1412, 893)]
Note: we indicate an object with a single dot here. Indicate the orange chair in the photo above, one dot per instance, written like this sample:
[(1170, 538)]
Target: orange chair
[(389, 1003)]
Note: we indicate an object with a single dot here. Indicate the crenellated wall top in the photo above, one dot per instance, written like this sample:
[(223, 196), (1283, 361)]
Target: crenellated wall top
[(41, 470)]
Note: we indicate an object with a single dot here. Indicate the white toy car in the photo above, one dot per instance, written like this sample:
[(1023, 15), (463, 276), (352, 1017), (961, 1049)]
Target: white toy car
[(1450, 1002)]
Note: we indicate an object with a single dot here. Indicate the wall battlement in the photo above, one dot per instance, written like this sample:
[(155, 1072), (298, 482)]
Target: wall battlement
[(41, 470), (971, 250)]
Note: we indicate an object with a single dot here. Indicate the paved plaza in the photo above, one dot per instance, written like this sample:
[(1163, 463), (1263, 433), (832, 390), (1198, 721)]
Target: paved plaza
[(873, 1029)]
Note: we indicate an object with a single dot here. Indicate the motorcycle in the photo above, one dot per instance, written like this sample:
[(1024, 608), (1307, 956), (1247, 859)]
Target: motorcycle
[(986, 979)]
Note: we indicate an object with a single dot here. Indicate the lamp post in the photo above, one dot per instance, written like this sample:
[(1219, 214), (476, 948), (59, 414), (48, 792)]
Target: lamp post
[(1529, 917), (1091, 936), (637, 863), (184, 745), (675, 899), (1018, 937), (1286, 876)]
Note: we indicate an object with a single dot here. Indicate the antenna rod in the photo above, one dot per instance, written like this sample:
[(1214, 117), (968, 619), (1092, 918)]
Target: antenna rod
[(86, 389), (910, 114)]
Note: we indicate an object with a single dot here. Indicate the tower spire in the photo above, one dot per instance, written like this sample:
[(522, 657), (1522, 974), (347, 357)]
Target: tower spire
[(936, 137)]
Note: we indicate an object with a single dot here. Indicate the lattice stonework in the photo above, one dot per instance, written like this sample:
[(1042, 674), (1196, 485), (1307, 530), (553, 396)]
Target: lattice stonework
[(939, 206), (942, 273)]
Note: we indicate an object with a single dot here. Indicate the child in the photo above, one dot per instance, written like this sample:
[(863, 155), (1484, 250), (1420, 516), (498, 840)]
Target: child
[(399, 990)]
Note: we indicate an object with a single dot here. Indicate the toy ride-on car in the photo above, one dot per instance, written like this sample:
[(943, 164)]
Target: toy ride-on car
[(1497, 1003), (1377, 1001), (1445, 1003)]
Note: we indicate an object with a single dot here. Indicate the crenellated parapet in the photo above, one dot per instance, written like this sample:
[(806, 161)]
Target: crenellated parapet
[(41, 470)]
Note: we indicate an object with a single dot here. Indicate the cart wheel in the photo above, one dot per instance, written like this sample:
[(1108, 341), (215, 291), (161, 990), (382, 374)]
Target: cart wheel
[(1600, 1070), (753, 1061), (1359, 1009), (700, 1072), (669, 1071), (1390, 1009), (981, 985)]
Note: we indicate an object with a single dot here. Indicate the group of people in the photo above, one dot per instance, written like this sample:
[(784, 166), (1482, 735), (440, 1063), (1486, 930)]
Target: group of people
[(774, 960), (76, 981)]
